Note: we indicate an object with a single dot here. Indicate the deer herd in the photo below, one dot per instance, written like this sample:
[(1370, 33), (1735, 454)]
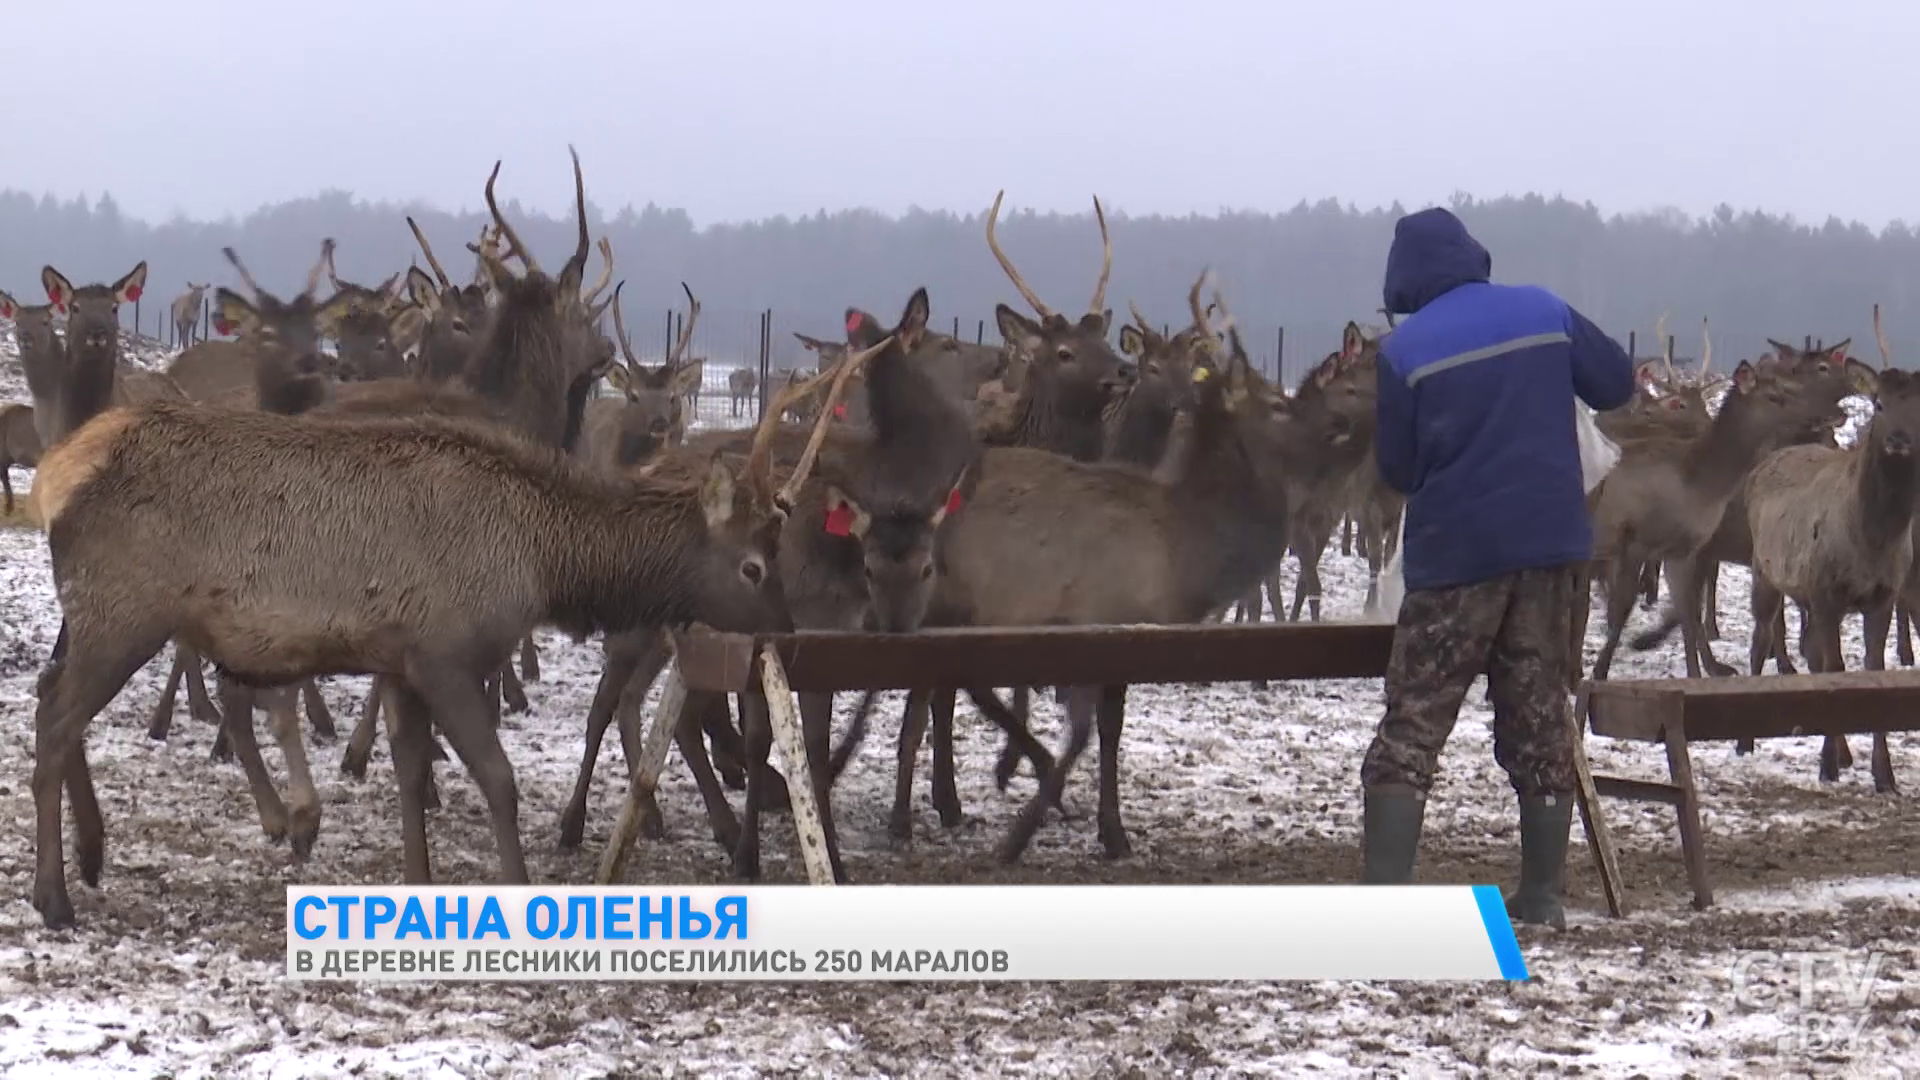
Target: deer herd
[(413, 503)]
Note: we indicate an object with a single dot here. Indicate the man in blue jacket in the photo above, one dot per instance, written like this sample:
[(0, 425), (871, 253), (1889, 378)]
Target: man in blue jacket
[(1476, 428)]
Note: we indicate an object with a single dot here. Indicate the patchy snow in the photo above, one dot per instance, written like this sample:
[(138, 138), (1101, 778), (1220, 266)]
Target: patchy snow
[(177, 966)]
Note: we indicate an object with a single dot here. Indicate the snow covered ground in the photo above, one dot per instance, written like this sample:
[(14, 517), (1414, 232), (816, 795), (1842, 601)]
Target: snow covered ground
[(176, 969)]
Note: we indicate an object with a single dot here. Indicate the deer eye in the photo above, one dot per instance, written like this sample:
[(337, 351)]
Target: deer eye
[(752, 571), (1064, 354)]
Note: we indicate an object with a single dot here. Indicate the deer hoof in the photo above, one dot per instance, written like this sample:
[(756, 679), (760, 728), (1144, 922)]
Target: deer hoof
[(774, 798), (652, 827), (306, 831), (573, 827), (56, 910), (1113, 840), (93, 859)]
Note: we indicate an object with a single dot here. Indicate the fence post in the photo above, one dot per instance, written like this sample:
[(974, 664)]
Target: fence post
[(980, 333), (206, 318), (1280, 356), (1633, 345)]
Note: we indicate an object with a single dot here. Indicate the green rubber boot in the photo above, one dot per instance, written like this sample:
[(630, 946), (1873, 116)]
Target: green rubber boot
[(1545, 821), (1394, 813)]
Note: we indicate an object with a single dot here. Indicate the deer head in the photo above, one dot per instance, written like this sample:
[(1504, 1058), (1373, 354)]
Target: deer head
[(93, 339), (284, 335), (1069, 364), (655, 414)]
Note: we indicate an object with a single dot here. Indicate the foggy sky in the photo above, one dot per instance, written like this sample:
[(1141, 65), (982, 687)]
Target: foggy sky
[(740, 109)]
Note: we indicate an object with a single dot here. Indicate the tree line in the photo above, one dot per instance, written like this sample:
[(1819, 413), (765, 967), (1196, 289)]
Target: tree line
[(1754, 275)]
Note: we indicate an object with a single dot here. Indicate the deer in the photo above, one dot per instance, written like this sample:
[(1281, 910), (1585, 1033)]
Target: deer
[(1833, 529), (650, 412), (1665, 498), (42, 357), (186, 313), (741, 383), (19, 445), (857, 551), (1141, 422), (1123, 546)]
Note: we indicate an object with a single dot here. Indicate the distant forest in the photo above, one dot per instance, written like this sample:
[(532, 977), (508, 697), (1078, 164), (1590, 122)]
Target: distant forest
[(1308, 270)]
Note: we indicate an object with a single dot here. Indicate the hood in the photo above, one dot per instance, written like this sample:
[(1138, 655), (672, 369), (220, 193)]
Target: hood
[(1432, 254)]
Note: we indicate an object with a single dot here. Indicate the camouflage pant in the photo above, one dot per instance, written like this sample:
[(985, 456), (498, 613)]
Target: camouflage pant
[(1513, 629)]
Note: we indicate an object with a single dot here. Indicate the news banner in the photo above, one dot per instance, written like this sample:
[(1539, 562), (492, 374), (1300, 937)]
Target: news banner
[(902, 932)]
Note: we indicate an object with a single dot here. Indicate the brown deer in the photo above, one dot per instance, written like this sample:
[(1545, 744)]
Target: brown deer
[(1833, 529), (88, 366), (1141, 422), (741, 383), (651, 411), (186, 313), (42, 358), (1665, 498), (857, 551), (19, 445), (1125, 546)]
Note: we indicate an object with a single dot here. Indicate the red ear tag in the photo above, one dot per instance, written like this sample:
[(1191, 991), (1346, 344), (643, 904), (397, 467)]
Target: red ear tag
[(954, 502), (60, 306), (222, 327), (6, 311), (840, 520), (839, 412), (133, 292), (854, 321)]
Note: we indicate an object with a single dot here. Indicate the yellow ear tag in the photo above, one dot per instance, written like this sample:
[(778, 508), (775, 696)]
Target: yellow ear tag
[(1201, 373)]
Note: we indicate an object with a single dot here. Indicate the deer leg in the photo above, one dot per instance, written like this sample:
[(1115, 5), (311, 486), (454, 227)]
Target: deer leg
[(1905, 646), (623, 658), (758, 736), (511, 691), (162, 720), (1711, 602), (1081, 702), (360, 743), (1346, 535), (728, 752), (303, 827), (913, 730), (1766, 605), (1649, 584), (946, 798), (77, 683), (1685, 584), (529, 660), (6, 484), (1622, 576), (1017, 733), (319, 717), (409, 732), (686, 734), (237, 708), (199, 702), (460, 708), (1877, 622), (1112, 714)]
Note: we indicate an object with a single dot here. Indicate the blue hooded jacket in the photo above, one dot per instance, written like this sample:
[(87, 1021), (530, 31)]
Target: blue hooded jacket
[(1476, 422)]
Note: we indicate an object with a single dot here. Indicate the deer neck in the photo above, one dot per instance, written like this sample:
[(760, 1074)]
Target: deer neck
[(624, 558), (1045, 419), (1885, 492), (86, 387), (1721, 458), (1229, 526)]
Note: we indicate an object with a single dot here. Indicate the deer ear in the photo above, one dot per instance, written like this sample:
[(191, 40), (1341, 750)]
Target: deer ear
[(1864, 379), (128, 289), (1131, 343), (845, 516), (233, 313), (1784, 352), (1352, 341), (1647, 374), (59, 290), (955, 499), (422, 290), (913, 321), (1019, 331), (1744, 377), (716, 494), (9, 307), (331, 314), (688, 378), (1838, 353), (807, 343), (617, 378), (862, 329)]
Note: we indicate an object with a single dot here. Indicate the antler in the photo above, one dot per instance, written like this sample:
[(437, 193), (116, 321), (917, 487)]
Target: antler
[(686, 332), (578, 263), (1706, 349), (760, 458), (1660, 342), (427, 249), (506, 231), (1106, 261), (1886, 356), (334, 278), (606, 275), (620, 332), (241, 268), (1033, 299), (1139, 320), (325, 262)]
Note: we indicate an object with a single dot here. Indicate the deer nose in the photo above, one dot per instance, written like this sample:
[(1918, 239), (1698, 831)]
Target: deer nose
[(1899, 444)]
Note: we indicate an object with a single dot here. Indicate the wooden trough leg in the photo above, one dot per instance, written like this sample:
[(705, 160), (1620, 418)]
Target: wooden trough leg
[(784, 718), (646, 777), (1599, 840), (1692, 836)]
